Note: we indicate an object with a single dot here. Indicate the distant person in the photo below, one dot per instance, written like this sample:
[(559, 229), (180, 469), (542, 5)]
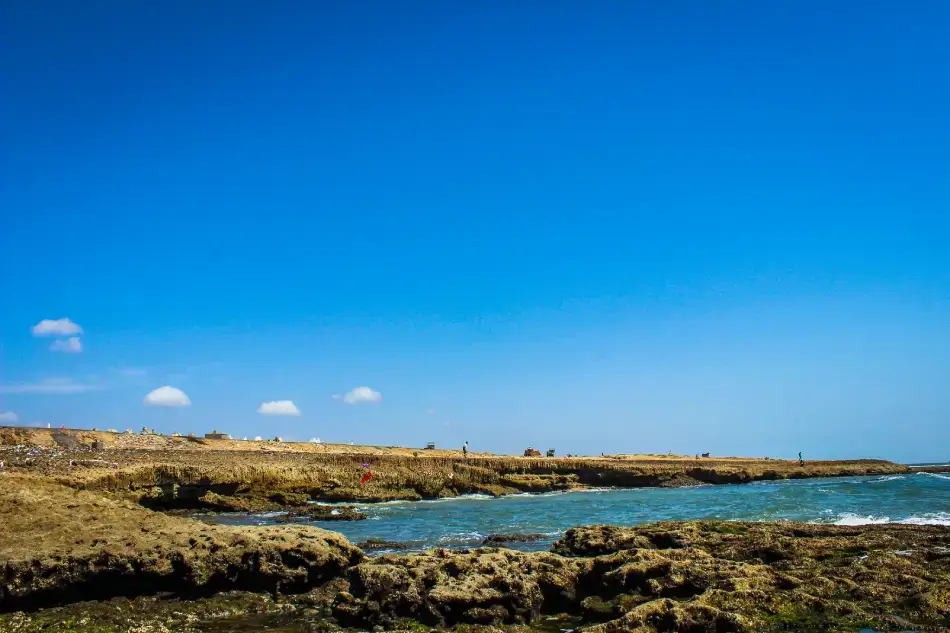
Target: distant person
[(801, 462), (465, 449)]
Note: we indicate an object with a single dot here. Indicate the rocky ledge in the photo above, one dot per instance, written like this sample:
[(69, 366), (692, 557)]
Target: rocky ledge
[(59, 545), (686, 577)]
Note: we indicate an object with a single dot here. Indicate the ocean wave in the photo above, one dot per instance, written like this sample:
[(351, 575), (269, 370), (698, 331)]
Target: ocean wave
[(888, 478), (462, 537), (933, 475), (855, 519), (933, 518)]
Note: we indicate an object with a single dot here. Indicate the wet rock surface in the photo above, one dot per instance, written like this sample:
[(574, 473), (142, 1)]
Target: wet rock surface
[(319, 512), (378, 544), (497, 540)]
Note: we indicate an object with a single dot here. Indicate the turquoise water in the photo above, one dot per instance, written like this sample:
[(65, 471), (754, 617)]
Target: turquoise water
[(466, 521)]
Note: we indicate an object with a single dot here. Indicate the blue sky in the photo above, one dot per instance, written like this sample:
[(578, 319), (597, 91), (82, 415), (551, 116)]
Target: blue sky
[(622, 227)]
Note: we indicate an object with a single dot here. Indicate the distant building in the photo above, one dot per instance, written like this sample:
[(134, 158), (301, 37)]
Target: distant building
[(214, 435)]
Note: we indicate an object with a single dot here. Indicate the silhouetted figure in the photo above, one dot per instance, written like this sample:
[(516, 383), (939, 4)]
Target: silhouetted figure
[(801, 462)]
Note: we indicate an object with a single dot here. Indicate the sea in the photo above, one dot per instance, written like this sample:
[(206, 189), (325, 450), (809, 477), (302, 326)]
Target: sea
[(464, 522)]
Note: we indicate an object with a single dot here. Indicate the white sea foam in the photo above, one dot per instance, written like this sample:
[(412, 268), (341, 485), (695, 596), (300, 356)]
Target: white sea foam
[(933, 518), (462, 537), (888, 478), (934, 475), (854, 519)]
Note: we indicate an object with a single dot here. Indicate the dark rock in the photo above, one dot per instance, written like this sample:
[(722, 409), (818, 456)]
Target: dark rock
[(375, 544), (499, 539), (319, 512)]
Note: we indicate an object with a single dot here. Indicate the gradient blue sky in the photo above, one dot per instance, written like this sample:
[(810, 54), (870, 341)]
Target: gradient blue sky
[(628, 226)]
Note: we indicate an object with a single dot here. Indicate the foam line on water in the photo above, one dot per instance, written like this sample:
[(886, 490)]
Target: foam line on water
[(934, 518)]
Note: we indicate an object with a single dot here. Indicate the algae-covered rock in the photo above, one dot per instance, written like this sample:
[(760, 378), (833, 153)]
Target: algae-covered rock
[(443, 589), (59, 545), (674, 577)]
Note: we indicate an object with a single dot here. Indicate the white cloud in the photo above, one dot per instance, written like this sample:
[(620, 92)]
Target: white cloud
[(71, 345), (430, 411), (278, 407), (360, 394), (56, 327), (50, 386), (9, 416), (167, 397)]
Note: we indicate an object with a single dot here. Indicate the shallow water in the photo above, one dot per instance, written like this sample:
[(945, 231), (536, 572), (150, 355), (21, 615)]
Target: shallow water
[(465, 521)]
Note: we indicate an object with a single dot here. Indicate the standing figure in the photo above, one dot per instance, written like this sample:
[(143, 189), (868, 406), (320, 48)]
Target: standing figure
[(465, 449)]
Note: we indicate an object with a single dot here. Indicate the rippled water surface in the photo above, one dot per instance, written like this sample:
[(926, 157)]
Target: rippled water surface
[(466, 521)]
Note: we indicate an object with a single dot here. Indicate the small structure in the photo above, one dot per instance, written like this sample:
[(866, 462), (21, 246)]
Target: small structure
[(214, 435), (550, 452), (430, 446), (532, 452)]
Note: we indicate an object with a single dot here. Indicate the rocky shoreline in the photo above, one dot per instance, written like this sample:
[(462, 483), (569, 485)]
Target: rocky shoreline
[(61, 548), (84, 547), (272, 479)]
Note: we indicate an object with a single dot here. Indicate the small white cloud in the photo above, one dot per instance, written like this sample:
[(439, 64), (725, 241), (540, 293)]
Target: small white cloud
[(361, 394), (9, 416), (446, 423), (167, 397), (71, 345), (56, 327), (50, 386), (430, 411), (278, 407)]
